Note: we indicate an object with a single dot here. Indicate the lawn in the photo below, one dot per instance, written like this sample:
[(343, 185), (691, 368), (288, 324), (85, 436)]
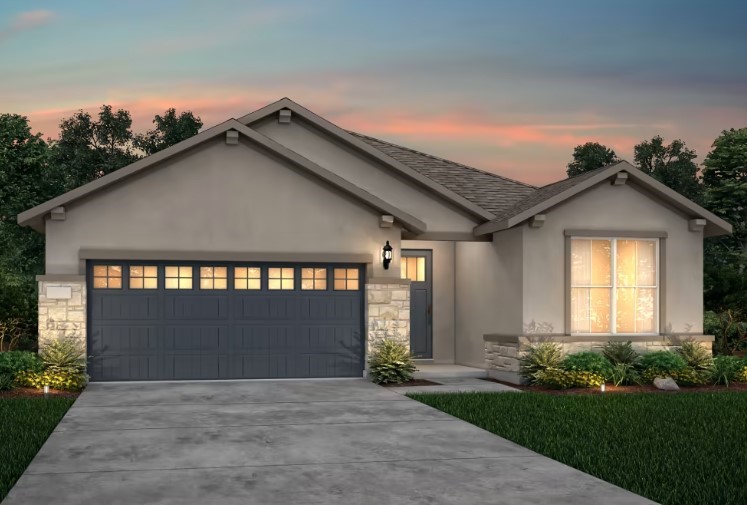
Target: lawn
[(25, 423), (684, 448)]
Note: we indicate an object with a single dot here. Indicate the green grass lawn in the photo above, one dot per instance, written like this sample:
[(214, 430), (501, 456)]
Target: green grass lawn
[(25, 423), (685, 448)]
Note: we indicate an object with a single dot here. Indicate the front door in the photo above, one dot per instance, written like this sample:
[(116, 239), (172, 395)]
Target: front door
[(416, 266)]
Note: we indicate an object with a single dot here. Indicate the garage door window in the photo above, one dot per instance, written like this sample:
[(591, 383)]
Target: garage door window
[(280, 278), (143, 277), (314, 279), (247, 278), (346, 279), (213, 277), (107, 276), (178, 277)]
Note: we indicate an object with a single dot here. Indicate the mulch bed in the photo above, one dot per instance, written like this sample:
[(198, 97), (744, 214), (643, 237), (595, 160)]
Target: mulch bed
[(413, 382), (37, 393), (645, 388)]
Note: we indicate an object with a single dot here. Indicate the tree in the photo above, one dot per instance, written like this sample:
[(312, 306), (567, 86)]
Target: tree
[(170, 129), (590, 156), (671, 164)]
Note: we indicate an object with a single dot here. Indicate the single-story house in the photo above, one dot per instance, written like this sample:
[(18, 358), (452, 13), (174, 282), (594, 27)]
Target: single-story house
[(281, 245)]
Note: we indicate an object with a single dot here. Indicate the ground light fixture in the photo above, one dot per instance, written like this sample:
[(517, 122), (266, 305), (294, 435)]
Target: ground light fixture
[(46, 389), (602, 388), (387, 255)]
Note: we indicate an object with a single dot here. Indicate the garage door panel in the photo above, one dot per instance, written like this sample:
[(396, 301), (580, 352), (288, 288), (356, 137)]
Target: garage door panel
[(123, 339), (196, 338), (190, 308), (125, 307)]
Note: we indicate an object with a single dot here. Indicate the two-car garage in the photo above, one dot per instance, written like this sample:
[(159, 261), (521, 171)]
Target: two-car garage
[(176, 320)]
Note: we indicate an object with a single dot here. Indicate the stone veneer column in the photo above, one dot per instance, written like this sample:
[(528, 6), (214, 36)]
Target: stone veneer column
[(62, 310), (388, 312)]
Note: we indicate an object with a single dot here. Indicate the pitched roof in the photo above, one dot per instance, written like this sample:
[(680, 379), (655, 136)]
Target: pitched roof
[(490, 191)]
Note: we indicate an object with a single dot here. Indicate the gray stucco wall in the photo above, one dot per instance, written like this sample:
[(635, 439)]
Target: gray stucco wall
[(220, 198), (623, 208), (364, 172), (488, 293), (443, 296)]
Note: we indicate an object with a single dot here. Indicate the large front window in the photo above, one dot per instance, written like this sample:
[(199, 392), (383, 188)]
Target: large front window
[(614, 285)]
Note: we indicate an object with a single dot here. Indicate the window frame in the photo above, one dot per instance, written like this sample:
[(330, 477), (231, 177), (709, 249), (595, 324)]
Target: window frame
[(314, 279), (143, 277), (613, 239), (191, 265), (212, 278), (247, 266), (122, 269), (282, 278), (346, 279)]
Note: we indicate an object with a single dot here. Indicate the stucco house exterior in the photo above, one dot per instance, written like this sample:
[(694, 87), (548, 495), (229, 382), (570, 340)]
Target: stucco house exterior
[(256, 249)]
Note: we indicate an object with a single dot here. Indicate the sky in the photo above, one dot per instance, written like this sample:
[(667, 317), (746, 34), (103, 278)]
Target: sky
[(506, 86)]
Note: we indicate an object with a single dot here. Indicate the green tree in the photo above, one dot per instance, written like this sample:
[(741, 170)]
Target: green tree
[(170, 129), (670, 164), (590, 156)]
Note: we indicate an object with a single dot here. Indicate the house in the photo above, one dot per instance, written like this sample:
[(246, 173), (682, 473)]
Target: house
[(280, 245)]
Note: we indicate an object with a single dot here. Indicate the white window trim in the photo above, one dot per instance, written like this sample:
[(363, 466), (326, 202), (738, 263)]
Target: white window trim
[(613, 294)]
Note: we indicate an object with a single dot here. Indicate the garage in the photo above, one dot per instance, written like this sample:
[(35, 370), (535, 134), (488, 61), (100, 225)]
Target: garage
[(182, 320)]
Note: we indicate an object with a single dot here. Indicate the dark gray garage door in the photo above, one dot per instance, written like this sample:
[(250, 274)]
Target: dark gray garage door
[(216, 320)]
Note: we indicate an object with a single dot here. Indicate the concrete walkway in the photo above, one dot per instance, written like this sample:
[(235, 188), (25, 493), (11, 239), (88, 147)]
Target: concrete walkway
[(284, 442), (457, 385)]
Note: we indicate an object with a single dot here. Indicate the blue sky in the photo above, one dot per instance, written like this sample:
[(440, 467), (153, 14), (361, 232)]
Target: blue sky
[(507, 86)]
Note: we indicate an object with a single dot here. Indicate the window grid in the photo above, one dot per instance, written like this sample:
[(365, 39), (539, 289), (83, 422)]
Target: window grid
[(107, 276), (413, 268), (280, 279), (143, 277), (247, 278), (346, 279), (213, 277), (314, 279), (178, 277)]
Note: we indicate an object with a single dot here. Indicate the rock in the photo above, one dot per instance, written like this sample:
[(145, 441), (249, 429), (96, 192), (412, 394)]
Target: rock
[(666, 383)]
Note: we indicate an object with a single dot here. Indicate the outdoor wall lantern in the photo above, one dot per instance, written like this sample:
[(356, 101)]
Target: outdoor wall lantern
[(387, 255)]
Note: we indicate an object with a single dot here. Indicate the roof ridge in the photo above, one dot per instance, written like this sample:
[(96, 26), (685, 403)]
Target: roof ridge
[(441, 159), (585, 174)]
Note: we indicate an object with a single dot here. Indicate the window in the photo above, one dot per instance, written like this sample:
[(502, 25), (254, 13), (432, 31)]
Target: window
[(178, 277), (143, 277), (413, 268), (346, 279), (280, 278), (314, 278), (213, 277), (247, 277), (614, 285), (107, 276)]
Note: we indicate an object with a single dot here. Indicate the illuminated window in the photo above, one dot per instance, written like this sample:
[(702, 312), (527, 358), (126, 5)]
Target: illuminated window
[(143, 277), (280, 278), (314, 278), (107, 276), (178, 277), (213, 277), (614, 285), (413, 268), (346, 279), (247, 277)]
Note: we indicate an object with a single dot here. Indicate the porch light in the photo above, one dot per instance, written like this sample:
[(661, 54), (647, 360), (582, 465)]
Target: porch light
[(387, 255)]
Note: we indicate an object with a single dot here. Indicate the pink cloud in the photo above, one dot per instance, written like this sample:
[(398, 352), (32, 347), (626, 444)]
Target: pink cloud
[(26, 21)]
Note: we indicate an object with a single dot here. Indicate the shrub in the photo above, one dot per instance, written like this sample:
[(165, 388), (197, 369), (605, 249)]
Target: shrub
[(391, 363), (67, 354), (582, 379), (662, 361), (556, 378), (6, 381), (690, 376), (696, 355), (65, 379), (741, 375), (620, 352), (538, 358), (624, 373), (12, 362), (587, 361), (726, 369)]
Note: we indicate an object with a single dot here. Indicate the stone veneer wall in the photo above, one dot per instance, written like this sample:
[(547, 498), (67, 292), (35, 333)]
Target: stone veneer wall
[(502, 352), (388, 313), (61, 315)]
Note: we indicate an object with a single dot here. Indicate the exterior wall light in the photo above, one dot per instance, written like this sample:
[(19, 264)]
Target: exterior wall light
[(387, 255)]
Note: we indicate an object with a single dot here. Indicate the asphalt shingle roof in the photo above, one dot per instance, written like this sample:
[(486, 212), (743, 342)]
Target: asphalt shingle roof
[(492, 192)]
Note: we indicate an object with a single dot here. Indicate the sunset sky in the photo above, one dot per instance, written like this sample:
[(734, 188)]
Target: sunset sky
[(506, 86)]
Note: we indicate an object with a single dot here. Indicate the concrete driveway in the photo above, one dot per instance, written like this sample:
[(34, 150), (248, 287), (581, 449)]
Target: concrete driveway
[(284, 442)]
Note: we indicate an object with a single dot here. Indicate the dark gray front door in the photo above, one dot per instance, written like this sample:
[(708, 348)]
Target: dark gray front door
[(220, 320), (416, 266)]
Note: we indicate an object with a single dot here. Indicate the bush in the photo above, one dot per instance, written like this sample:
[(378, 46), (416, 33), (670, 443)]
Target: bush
[(662, 361), (690, 376), (696, 355), (6, 381), (12, 362), (587, 361), (391, 363), (64, 379), (726, 369), (741, 375), (624, 373), (538, 358), (620, 352), (66, 354), (556, 378)]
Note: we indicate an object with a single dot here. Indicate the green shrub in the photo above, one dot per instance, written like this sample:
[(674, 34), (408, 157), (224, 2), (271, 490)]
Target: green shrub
[(582, 379), (741, 375), (662, 361), (624, 373), (726, 369), (12, 362), (587, 361), (556, 378), (696, 355), (690, 376), (620, 352), (6, 381), (538, 358), (65, 354), (391, 363), (64, 379)]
